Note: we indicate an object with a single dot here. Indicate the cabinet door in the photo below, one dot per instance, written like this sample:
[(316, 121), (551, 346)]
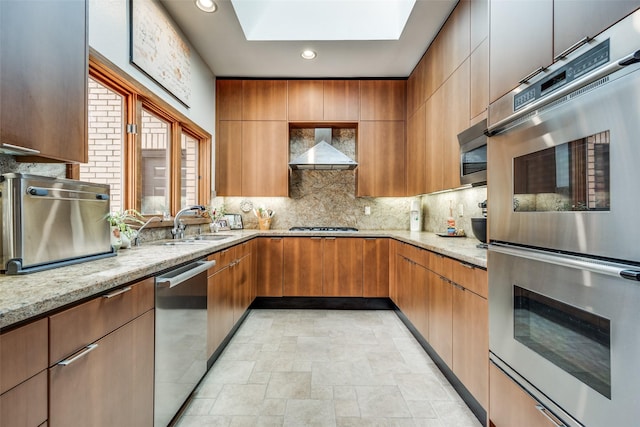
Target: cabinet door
[(417, 153), (417, 87), (23, 353), (440, 316), (242, 286), (471, 342), (510, 405), (520, 41), (219, 308), (111, 385), (229, 158), (305, 100), (383, 99), (434, 118), (571, 23), (375, 280), (341, 100), (265, 158), (479, 82), (456, 119), (270, 260), (381, 159), (420, 299), (43, 77), (228, 99), (264, 100), (303, 266), (342, 270), (403, 284), (26, 404)]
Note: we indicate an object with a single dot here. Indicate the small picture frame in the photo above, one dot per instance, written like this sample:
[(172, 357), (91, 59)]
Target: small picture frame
[(234, 221), (223, 224)]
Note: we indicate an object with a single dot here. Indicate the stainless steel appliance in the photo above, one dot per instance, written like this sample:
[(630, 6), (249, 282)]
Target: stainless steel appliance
[(330, 229), (564, 262), (181, 337), (473, 154), (50, 222)]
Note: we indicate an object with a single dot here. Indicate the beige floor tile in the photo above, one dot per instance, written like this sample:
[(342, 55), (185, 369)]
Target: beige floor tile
[(325, 368)]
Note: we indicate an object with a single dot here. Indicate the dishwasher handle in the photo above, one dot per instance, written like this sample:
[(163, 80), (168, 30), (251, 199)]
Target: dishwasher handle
[(180, 275)]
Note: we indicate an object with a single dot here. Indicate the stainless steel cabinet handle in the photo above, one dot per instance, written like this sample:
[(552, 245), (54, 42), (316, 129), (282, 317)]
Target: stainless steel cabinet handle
[(556, 422), (191, 270), (534, 73), (19, 150), (469, 266), (118, 292), (88, 349), (576, 45)]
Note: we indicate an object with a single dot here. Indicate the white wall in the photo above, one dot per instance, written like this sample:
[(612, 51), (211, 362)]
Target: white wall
[(109, 35)]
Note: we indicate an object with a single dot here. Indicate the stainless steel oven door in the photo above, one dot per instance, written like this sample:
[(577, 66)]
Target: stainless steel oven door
[(565, 178), (568, 326)]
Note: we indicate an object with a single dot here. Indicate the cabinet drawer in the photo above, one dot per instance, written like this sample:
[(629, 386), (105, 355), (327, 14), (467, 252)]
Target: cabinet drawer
[(26, 404), (440, 264), (244, 249), (23, 353), (222, 258), (471, 277), (83, 324), (413, 253)]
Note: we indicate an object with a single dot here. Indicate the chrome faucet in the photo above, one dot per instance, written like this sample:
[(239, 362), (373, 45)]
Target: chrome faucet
[(136, 240), (178, 227)]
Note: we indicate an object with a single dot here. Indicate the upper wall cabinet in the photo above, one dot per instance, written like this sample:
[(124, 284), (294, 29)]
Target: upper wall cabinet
[(572, 24), (43, 78), (324, 100), (264, 100), (383, 99), (229, 99), (520, 42), (529, 34)]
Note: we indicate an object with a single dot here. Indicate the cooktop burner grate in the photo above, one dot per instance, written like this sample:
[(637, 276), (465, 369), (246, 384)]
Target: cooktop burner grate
[(323, 229)]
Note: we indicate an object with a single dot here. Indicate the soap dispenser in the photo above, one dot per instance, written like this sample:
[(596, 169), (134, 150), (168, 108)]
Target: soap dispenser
[(415, 215)]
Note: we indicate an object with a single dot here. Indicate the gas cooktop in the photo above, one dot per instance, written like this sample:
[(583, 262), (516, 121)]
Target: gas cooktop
[(323, 229)]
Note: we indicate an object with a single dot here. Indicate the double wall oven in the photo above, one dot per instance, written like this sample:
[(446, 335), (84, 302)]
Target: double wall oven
[(564, 261)]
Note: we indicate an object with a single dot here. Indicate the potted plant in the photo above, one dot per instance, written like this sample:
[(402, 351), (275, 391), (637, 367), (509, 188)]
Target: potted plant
[(121, 232)]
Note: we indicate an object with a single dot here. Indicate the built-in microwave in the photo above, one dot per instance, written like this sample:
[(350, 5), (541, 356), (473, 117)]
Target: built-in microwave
[(473, 154)]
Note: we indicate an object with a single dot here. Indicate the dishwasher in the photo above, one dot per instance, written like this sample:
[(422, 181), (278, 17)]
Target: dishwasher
[(180, 337)]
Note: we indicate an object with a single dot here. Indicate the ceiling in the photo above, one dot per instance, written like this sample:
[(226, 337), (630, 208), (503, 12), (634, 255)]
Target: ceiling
[(221, 43)]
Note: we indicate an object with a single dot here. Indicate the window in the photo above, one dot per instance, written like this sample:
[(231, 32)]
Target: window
[(155, 160)]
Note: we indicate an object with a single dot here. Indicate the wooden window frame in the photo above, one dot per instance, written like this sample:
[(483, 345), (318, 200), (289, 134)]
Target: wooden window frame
[(136, 98)]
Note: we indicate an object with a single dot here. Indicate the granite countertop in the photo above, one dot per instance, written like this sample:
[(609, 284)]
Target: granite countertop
[(26, 296)]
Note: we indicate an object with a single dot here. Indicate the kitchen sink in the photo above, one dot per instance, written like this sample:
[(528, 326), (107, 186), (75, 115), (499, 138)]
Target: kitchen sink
[(201, 240)]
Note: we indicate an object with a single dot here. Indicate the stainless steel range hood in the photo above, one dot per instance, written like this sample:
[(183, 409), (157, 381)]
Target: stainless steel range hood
[(323, 156)]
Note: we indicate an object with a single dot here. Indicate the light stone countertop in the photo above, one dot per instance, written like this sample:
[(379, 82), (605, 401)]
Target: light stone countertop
[(23, 297)]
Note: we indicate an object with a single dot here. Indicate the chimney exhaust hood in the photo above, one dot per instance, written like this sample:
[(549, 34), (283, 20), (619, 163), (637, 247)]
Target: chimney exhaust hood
[(323, 156)]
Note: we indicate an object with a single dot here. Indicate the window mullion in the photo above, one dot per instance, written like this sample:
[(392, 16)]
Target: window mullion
[(175, 162)]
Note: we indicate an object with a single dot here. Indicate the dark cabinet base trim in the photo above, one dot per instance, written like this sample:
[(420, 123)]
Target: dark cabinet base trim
[(323, 303)]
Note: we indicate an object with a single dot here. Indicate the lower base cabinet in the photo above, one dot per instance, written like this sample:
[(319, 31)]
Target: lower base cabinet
[(26, 404), (510, 405), (110, 384)]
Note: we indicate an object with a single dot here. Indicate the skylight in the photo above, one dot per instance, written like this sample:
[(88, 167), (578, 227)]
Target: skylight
[(285, 20)]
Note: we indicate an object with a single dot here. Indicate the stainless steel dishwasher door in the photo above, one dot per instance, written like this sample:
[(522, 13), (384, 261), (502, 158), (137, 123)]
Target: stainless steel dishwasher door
[(181, 337)]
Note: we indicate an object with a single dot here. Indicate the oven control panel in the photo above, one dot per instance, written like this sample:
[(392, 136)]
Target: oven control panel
[(583, 64)]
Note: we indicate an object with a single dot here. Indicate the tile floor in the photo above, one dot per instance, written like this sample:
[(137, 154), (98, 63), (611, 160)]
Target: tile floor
[(325, 368)]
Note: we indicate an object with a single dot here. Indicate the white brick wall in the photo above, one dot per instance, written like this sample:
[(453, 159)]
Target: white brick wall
[(106, 138)]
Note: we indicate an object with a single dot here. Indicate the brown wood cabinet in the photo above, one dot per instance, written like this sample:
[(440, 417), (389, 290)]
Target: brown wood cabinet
[(243, 270), (520, 41), (571, 24), (381, 158), (441, 316), (510, 405), (341, 100), (416, 157), (229, 158), (220, 306), (375, 261), (23, 376), (434, 115), (324, 100), (43, 78), (456, 119), (306, 100), (342, 260), (228, 99), (382, 100), (270, 265), (303, 266), (107, 343), (264, 100)]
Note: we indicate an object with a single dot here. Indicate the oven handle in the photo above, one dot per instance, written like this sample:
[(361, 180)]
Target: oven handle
[(614, 66), (608, 268)]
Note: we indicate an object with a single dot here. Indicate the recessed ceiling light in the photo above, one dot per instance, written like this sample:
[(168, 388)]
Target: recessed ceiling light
[(308, 54), (207, 5)]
